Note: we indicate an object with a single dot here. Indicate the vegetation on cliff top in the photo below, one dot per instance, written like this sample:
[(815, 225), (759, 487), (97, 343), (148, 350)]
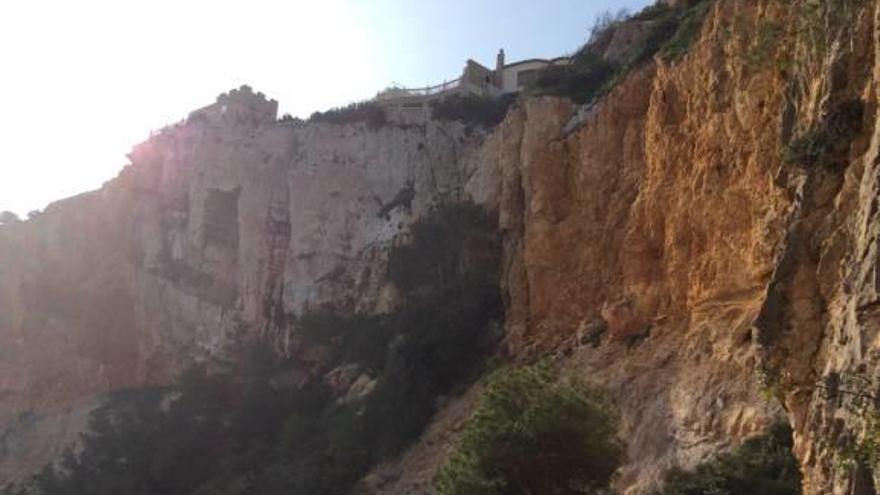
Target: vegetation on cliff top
[(667, 32), (472, 109), (369, 112), (663, 31), (8, 217)]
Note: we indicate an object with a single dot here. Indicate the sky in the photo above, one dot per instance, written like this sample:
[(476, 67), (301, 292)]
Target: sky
[(83, 81)]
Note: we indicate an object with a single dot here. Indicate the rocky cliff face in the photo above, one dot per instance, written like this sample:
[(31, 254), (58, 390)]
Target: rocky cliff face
[(659, 243), (227, 226), (656, 242)]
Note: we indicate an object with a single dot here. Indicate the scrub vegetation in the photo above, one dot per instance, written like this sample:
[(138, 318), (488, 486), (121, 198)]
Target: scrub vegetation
[(244, 431), (667, 32)]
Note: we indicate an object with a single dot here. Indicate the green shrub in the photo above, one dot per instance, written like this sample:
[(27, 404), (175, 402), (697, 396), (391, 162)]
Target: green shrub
[(828, 142), (821, 25), (183, 438), (689, 21), (434, 343), (455, 246), (449, 270), (581, 80), (855, 393), (357, 339), (764, 43), (472, 109), (589, 71), (670, 33), (663, 26), (440, 348), (290, 120), (135, 446), (369, 112), (653, 12), (534, 434), (763, 465), (808, 149), (604, 26), (325, 451)]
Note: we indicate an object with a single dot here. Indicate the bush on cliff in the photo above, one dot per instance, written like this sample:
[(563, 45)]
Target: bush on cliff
[(428, 348), (472, 109), (136, 445), (438, 339), (828, 142), (8, 218), (688, 22), (368, 112), (669, 33), (581, 81), (454, 247), (532, 433), (439, 350), (762, 465)]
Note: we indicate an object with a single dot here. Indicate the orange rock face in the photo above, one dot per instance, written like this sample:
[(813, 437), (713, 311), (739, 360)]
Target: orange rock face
[(666, 212), (658, 214)]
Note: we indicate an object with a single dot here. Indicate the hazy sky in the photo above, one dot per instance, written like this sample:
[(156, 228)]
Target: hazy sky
[(82, 81)]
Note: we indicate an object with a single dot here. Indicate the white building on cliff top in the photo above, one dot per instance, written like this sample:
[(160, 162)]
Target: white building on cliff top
[(477, 79)]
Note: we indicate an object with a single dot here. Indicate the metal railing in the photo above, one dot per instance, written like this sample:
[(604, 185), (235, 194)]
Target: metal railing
[(393, 93)]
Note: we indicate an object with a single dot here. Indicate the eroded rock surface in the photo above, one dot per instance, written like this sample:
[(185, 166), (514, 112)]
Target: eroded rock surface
[(226, 226)]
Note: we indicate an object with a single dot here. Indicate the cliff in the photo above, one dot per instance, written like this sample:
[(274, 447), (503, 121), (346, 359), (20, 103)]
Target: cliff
[(662, 241), (676, 241), (219, 229)]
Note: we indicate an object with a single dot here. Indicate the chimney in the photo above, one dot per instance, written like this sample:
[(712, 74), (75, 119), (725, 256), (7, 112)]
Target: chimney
[(499, 68)]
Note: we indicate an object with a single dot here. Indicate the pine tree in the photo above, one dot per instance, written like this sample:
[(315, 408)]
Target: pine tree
[(535, 434)]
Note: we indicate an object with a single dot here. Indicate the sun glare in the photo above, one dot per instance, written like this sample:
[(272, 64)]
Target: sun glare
[(90, 79)]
